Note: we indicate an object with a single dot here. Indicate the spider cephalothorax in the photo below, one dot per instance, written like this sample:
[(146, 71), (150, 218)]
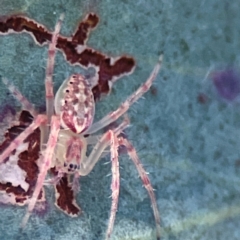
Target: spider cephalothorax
[(63, 145), (69, 151)]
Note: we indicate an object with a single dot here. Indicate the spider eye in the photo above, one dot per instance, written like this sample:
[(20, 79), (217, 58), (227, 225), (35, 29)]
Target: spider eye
[(65, 164), (67, 91), (71, 165)]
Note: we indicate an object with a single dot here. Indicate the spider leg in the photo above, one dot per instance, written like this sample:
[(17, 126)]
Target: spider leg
[(45, 166), (49, 70), (49, 82), (18, 95), (93, 139), (40, 119), (55, 180), (75, 183), (115, 186), (88, 163), (113, 116), (146, 181)]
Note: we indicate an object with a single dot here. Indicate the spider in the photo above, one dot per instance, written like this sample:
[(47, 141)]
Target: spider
[(66, 131)]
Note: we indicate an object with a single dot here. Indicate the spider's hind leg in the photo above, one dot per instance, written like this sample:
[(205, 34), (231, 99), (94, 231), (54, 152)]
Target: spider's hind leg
[(123, 108), (50, 68), (26, 104), (40, 119)]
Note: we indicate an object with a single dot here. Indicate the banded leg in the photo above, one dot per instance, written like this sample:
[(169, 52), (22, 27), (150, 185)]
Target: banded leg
[(45, 165), (49, 70), (113, 116), (115, 186), (146, 181), (40, 119), (26, 105)]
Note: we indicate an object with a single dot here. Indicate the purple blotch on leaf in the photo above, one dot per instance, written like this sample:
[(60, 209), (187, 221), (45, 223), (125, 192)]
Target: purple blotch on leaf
[(227, 83)]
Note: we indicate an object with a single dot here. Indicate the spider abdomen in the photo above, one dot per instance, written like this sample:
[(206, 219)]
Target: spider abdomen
[(74, 103)]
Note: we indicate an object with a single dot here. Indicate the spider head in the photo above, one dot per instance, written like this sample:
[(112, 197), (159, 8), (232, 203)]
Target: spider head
[(71, 167), (74, 102)]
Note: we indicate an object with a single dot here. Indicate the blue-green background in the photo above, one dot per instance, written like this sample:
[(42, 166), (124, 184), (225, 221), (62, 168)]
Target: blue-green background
[(191, 150)]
